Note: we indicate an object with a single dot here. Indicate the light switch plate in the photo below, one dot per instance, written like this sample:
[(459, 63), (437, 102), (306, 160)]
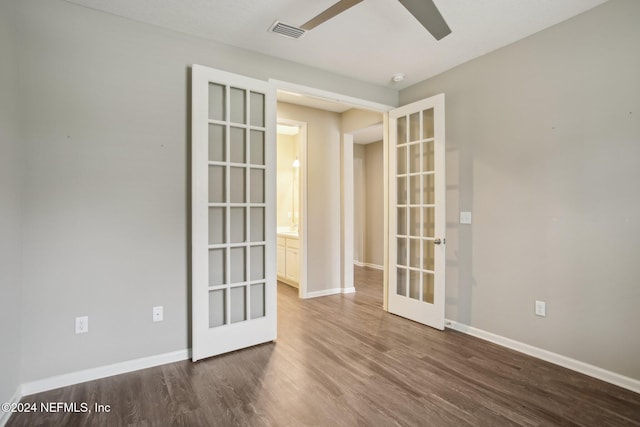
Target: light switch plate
[(541, 308), (465, 217)]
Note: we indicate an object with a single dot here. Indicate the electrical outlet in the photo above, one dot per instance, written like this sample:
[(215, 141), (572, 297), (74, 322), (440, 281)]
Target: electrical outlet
[(158, 314), (541, 308), (82, 324)]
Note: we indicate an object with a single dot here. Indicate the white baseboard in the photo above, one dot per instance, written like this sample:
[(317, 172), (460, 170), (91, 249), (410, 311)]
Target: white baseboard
[(4, 416), (326, 292), (367, 264), (323, 293), (102, 372), (549, 356)]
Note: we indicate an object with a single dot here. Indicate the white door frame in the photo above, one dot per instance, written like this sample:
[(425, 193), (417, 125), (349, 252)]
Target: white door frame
[(302, 197), (346, 171)]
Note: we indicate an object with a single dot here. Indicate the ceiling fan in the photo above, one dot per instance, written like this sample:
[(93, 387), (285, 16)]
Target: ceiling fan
[(425, 11)]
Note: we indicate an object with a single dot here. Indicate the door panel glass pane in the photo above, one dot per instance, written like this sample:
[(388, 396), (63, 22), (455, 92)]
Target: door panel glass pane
[(238, 304), (257, 262), (429, 222), (216, 101), (402, 190), (428, 256), (429, 189), (217, 267), (217, 185), (414, 253), (217, 143), (257, 225), (238, 265), (402, 221), (414, 127), (428, 160), (427, 288), (217, 304), (238, 145), (401, 160), (414, 222), (414, 284), (238, 109), (257, 300), (237, 185), (257, 185), (216, 226), (414, 158), (414, 190), (427, 123), (257, 147), (256, 101), (402, 130), (401, 288), (402, 251), (238, 225)]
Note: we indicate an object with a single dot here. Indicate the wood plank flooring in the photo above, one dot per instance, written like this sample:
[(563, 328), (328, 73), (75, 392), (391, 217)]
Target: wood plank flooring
[(342, 361)]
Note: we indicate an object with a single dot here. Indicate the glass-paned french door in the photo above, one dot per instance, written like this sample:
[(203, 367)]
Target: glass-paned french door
[(417, 211), (233, 214)]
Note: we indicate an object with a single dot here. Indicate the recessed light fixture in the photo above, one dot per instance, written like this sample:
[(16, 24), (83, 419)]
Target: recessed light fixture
[(398, 77)]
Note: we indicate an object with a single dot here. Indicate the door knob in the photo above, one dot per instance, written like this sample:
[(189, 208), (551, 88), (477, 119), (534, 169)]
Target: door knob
[(438, 241)]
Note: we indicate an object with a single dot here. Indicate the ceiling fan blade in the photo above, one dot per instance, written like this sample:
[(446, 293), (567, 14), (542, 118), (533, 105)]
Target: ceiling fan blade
[(429, 16), (332, 11)]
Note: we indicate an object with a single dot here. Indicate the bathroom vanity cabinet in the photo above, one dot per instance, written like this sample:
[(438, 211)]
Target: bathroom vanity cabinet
[(288, 258)]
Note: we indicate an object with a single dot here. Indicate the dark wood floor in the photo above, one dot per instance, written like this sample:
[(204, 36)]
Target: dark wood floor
[(342, 361)]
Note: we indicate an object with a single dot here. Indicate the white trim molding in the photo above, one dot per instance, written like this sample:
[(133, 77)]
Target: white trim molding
[(4, 416), (549, 356), (103, 372), (327, 292), (368, 264)]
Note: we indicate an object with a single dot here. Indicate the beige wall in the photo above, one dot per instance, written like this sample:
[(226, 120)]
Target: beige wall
[(11, 167), (356, 119), (359, 202), (374, 230), (323, 190), (543, 142), (369, 203)]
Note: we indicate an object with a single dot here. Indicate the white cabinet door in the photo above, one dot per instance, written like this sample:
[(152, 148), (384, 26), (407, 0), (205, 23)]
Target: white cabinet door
[(292, 265), (233, 228), (281, 255)]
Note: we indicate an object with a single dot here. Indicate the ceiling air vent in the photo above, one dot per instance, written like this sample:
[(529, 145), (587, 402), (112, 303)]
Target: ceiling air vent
[(287, 30)]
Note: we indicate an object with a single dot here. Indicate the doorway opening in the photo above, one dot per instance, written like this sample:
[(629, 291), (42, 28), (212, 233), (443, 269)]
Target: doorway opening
[(291, 168), (326, 222)]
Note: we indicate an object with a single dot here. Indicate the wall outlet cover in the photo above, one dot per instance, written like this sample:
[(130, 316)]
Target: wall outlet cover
[(82, 324), (158, 314)]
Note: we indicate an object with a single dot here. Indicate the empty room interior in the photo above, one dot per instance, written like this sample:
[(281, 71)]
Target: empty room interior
[(414, 212)]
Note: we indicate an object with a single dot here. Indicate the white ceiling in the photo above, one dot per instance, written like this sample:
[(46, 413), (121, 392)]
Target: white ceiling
[(370, 42)]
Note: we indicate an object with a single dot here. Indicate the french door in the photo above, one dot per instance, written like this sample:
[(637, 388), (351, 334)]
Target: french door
[(233, 212), (417, 212)]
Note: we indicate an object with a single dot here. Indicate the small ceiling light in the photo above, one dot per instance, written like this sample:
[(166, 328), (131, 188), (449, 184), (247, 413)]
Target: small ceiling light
[(398, 77)]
